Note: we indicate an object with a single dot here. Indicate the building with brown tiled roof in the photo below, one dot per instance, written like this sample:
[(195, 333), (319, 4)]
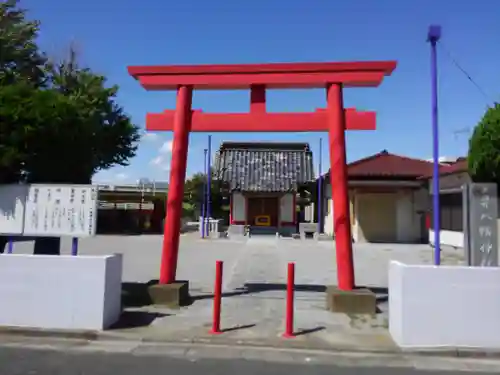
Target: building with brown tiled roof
[(388, 166), (390, 197)]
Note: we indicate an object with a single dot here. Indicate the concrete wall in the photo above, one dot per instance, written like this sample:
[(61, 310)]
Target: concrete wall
[(287, 208), (60, 292), (238, 208), (445, 306)]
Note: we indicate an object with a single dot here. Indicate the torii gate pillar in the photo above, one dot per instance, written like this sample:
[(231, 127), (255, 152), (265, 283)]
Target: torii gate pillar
[(257, 78), (339, 183), (178, 165)]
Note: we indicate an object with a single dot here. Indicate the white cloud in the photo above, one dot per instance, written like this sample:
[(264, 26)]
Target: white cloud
[(150, 137), (166, 147), (108, 177), (121, 176), (158, 160), (162, 160)]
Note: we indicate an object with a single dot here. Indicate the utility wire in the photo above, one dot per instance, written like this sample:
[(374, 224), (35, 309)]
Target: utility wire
[(469, 77)]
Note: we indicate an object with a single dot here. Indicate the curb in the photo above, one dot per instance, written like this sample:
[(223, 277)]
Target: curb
[(288, 346), (53, 333)]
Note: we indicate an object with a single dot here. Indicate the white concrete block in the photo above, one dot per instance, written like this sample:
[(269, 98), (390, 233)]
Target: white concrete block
[(444, 306), (60, 292)]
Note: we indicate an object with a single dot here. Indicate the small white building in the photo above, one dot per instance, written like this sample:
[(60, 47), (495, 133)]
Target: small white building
[(388, 199)]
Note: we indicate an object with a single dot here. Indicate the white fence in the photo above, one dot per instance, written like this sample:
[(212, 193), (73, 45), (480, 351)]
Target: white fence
[(211, 227), (448, 238)]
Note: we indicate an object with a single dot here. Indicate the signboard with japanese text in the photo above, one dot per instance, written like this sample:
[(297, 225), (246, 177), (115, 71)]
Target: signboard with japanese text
[(12, 202), (61, 210), (483, 229)]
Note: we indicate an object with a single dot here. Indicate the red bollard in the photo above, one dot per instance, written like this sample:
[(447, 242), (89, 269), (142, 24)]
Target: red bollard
[(217, 298), (290, 301)]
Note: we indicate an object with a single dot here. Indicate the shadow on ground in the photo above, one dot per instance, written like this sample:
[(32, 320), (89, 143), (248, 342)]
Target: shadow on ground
[(136, 319), (303, 332), (135, 295), (238, 328), (253, 288)]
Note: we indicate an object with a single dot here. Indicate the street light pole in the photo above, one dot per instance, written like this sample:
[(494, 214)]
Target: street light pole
[(204, 204), (320, 188)]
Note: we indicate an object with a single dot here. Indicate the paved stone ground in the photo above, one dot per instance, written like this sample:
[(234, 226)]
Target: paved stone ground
[(254, 283)]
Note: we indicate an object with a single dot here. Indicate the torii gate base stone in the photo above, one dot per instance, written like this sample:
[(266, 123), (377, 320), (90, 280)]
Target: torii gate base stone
[(258, 78)]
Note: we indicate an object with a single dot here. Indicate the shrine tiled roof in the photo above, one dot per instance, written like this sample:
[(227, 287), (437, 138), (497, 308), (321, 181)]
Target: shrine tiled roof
[(264, 166)]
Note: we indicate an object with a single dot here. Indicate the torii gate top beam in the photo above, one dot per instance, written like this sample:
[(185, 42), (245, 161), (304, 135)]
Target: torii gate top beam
[(273, 76)]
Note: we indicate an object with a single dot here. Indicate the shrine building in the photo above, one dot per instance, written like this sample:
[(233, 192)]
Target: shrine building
[(263, 179)]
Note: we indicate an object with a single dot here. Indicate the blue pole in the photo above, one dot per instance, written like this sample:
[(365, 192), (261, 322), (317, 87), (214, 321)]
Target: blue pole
[(10, 247), (433, 36), (74, 246), (209, 178), (204, 204), (320, 187)]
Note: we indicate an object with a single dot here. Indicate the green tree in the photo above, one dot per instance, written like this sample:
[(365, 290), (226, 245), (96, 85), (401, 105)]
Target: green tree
[(94, 135), (194, 192), (26, 113), (20, 58), (22, 69), (484, 148)]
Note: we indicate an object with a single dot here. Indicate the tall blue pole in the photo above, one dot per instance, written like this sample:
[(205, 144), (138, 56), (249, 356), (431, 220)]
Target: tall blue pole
[(433, 36), (204, 204), (209, 178), (320, 187)]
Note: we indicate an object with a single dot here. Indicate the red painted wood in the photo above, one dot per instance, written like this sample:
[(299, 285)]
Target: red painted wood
[(231, 203), (341, 213), (290, 295), (386, 67), (219, 266), (258, 99), (261, 122), (236, 81), (168, 267)]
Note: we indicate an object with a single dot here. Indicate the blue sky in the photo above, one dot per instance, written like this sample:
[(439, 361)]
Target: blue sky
[(112, 34)]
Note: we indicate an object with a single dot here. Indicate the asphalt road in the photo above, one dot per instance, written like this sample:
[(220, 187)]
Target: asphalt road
[(38, 362)]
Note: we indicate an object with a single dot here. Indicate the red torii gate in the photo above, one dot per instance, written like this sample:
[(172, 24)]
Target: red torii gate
[(333, 76)]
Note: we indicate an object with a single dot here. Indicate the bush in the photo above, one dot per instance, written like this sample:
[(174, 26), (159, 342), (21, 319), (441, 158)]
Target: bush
[(484, 148)]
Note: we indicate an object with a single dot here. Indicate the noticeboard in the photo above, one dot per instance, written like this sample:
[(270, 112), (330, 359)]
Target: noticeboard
[(61, 210)]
